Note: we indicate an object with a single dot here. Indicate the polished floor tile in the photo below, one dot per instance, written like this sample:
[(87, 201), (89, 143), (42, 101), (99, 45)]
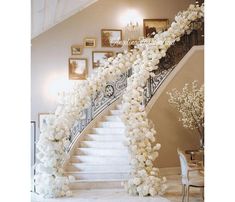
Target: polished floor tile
[(102, 195), (173, 194)]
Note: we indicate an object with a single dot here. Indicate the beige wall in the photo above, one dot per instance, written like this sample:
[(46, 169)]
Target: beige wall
[(51, 50), (170, 132)]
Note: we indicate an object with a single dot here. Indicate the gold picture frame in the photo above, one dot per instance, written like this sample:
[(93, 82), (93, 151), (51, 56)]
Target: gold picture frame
[(76, 50), (154, 25), (99, 56), (111, 38), (131, 44), (90, 42), (78, 69)]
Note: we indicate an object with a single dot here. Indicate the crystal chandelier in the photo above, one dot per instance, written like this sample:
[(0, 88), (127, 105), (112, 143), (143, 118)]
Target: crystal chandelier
[(132, 31)]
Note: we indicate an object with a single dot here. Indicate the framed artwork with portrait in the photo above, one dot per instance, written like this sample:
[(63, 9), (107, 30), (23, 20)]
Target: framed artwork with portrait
[(43, 120), (152, 26), (111, 38), (90, 42), (76, 50), (98, 57), (78, 69)]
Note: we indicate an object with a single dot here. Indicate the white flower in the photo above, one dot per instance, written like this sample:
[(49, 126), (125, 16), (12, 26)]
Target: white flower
[(149, 163), (191, 6), (152, 191), (137, 181), (71, 178), (157, 146)]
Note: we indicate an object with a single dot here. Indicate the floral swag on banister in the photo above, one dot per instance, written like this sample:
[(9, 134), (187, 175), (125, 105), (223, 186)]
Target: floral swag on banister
[(145, 178), (54, 138)]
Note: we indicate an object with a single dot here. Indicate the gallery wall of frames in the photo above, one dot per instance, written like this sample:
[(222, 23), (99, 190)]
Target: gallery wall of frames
[(110, 38), (73, 49)]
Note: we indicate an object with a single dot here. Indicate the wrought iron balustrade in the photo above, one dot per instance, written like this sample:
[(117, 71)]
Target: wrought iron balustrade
[(100, 101), (173, 55), (114, 89)]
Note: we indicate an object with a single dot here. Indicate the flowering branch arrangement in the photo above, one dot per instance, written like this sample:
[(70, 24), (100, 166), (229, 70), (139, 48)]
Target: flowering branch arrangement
[(190, 104), (50, 180), (145, 179)]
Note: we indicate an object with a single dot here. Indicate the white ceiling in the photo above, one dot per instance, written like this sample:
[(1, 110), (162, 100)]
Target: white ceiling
[(47, 13)]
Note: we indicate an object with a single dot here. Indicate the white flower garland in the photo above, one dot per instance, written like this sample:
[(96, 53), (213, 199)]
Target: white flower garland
[(49, 179), (145, 178)]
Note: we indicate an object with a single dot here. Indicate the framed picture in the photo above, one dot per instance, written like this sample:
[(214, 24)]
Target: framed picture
[(111, 37), (90, 42), (152, 26), (131, 44), (43, 119), (76, 50), (78, 68), (98, 57)]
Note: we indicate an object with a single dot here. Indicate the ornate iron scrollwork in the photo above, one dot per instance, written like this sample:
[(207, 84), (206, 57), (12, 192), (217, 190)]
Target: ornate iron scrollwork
[(109, 91), (114, 89)]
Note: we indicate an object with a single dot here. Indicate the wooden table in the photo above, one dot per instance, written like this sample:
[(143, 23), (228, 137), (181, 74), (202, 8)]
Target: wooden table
[(194, 152)]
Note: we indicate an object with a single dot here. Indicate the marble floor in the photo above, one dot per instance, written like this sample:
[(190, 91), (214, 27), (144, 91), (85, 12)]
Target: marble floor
[(174, 191), (173, 194), (103, 195)]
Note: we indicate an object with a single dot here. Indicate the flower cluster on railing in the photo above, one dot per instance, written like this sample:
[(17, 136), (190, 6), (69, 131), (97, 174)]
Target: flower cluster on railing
[(55, 137), (99, 101), (145, 179)]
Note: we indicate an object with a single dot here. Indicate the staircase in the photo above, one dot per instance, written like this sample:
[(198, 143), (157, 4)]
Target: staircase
[(101, 159)]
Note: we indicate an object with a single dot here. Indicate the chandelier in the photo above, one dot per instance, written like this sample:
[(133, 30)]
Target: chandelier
[(132, 31)]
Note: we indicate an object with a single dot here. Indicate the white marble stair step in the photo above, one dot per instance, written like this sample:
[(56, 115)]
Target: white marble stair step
[(101, 152), (111, 124), (102, 144), (109, 130), (116, 112), (107, 137), (99, 175), (86, 167), (100, 159), (113, 118), (96, 184), (108, 134)]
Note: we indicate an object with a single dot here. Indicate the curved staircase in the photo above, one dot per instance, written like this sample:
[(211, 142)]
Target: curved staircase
[(98, 156), (101, 159)]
